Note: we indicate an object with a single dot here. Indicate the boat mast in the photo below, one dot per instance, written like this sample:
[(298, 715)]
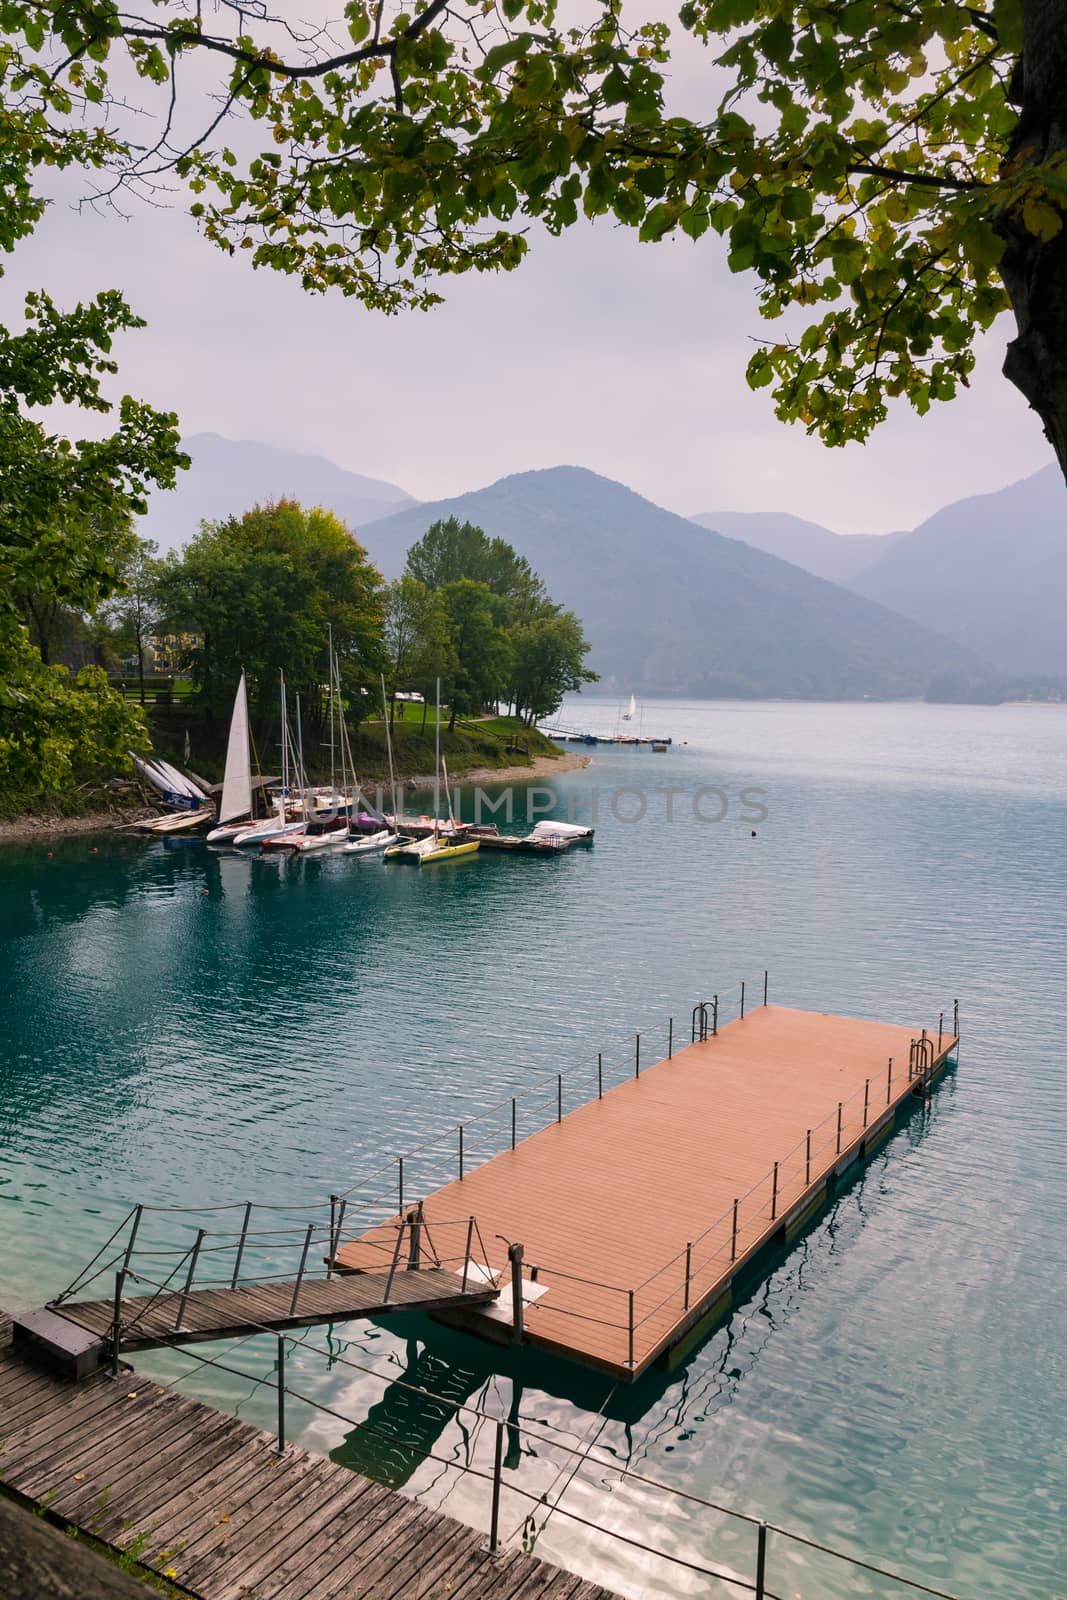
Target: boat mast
[(437, 763), (333, 776), (388, 746), (301, 774), (285, 747)]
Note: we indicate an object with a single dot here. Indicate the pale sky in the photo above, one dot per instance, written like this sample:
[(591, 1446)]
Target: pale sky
[(599, 352)]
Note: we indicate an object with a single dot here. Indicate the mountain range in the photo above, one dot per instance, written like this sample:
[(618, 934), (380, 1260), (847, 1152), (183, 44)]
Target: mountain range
[(229, 476), (839, 557), (671, 608), (724, 603)]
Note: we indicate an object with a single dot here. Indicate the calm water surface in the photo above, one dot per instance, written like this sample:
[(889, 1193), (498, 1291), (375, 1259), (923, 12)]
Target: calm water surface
[(896, 1387)]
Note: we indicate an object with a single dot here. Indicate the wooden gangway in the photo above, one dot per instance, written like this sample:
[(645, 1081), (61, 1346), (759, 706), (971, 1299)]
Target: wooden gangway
[(211, 1503), (636, 1217), (147, 1322), (193, 1303)]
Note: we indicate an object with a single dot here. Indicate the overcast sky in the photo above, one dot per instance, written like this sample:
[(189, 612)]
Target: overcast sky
[(600, 352)]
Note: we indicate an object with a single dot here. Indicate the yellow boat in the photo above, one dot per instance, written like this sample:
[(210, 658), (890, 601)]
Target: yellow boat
[(447, 852)]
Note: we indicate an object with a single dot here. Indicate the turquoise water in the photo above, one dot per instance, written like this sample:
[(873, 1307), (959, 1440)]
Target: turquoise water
[(895, 1388)]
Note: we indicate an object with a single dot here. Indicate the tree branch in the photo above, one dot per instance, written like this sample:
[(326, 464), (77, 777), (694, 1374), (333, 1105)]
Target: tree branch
[(926, 180)]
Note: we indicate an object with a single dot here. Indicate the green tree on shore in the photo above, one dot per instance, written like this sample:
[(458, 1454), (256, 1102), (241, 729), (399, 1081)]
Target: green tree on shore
[(418, 642), (259, 593), (548, 661), (133, 616), (480, 645), (65, 514), (509, 638)]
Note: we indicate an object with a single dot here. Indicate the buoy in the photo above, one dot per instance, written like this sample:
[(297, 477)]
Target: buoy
[(49, 855), (753, 833), (205, 891), (94, 849)]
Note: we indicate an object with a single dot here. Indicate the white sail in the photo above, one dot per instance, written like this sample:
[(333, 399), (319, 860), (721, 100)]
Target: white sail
[(237, 780), (628, 716)]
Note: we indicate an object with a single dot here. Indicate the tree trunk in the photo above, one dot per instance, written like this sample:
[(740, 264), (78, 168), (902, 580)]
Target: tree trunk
[(1035, 270), (140, 666)]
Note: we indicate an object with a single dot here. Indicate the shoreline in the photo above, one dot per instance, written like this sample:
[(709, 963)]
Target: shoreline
[(25, 830)]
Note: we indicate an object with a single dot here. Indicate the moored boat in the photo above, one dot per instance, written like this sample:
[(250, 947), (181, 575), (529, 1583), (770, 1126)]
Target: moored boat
[(235, 806)]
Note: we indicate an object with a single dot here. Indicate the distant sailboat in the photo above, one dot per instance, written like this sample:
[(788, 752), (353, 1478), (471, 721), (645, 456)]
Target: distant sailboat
[(628, 716), (235, 807)]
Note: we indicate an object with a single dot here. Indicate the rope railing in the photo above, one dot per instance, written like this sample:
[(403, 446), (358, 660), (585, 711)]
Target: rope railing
[(602, 1461)]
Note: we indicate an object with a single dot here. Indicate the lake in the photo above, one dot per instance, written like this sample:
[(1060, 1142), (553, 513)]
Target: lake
[(189, 1026)]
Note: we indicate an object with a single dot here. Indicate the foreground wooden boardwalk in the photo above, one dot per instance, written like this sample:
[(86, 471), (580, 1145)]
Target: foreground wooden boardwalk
[(206, 1499), (641, 1210)]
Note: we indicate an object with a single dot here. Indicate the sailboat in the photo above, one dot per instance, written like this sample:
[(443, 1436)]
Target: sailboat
[(442, 849), (235, 807), (332, 832), (274, 827), (385, 838), (628, 716)]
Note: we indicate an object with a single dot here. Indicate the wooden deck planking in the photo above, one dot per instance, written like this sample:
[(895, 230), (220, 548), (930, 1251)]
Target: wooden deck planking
[(125, 1457), (150, 1320), (618, 1188)]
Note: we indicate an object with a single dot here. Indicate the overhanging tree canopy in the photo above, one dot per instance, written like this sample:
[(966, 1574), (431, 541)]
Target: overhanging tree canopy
[(893, 171)]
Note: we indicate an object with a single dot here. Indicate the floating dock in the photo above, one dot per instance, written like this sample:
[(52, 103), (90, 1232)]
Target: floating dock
[(631, 1220)]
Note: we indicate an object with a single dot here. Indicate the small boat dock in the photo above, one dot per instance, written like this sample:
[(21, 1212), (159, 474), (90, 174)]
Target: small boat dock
[(622, 1230)]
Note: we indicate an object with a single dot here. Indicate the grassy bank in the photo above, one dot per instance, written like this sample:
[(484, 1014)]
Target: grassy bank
[(492, 743)]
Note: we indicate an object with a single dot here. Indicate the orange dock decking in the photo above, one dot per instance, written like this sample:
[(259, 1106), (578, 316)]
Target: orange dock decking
[(638, 1210)]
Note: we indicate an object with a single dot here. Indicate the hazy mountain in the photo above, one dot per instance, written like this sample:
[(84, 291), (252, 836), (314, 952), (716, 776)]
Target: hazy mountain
[(673, 608), (836, 556), (990, 572), (229, 476)]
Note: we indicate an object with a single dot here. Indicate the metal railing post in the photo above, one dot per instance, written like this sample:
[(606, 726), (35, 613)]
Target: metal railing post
[(281, 1394), (189, 1279), (688, 1274), (494, 1515), (670, 1038), (116, 1322), (955, 1019), (513, 1116), (396, 1258), (940, 1029), (764, 986), (467, 1253), (774, 1193), (733, 1235), (637, 1057), (742, 998), (839, 1108), (630, 1356), (303, 1265), (807, 1161), (515, 1257), (241, 1245), (337, 1235), (889, 1084), (461, 1152), (599, 1075), (866, 1100), (761, 1561), (559, 1097), (400, 1182), (137, 1215), (714, 1015), (415, 1244)]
